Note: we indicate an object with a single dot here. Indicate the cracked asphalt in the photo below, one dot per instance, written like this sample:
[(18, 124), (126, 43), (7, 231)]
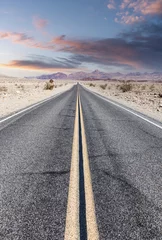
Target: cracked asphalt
[(125, 154)]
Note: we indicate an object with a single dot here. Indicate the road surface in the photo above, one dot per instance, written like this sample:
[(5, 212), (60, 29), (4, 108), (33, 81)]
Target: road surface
[(80, 167)]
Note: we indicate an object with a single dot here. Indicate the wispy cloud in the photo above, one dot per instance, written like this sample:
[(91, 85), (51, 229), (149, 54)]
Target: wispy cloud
[(39, 23), (24, 39), (38, 62)]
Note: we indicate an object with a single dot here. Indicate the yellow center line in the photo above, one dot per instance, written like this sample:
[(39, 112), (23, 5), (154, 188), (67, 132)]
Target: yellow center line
[(72, 228), (92, 229), (72, 231)]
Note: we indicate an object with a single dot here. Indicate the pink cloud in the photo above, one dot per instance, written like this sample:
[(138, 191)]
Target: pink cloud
[(153, 8), (143, 6), (39, 23), (16, 37), (127, 19), (134, 11), (22, 38), (111, 4)]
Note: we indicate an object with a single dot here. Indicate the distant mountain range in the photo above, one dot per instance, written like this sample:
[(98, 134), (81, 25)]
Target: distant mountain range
[(97, 75)]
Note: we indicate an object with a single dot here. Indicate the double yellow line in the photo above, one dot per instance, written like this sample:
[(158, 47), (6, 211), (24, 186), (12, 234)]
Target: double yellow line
[(72, 228)]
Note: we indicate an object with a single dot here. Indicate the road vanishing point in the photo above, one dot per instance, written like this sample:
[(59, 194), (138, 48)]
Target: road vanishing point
[(80, 167)]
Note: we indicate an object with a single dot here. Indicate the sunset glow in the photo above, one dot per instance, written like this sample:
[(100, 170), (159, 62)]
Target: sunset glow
[(70, 36)]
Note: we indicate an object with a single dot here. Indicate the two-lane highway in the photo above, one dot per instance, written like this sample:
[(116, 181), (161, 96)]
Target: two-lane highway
[(80, 167)]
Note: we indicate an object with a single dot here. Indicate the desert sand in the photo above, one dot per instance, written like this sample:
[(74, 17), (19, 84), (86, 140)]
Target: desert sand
[(18, 93), (140, 96)]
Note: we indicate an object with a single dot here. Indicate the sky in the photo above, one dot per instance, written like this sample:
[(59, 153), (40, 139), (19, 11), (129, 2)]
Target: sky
[(47, 36)]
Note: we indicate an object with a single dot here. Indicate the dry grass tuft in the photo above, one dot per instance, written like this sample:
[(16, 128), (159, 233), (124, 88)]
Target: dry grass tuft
[(49, 85), (152, 87), (3, 89), (92, 85), (103, 86), (126, 87)]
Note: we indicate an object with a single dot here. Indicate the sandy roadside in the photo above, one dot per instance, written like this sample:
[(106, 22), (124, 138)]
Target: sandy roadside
[(18, 93), (142, 97)]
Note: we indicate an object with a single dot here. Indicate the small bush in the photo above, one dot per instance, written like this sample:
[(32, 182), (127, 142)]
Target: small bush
[(143, 87), (3, 89), (92, 85), (49, 85), (126, 87), (21, 86), (103, 86), (152, 87)]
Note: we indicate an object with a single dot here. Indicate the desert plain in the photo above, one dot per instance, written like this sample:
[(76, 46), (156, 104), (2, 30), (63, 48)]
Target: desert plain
[(144, 97)]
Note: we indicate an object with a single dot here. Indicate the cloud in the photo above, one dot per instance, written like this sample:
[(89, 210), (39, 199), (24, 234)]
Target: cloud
[(37, 62), (130, 11), (138, 48), (104, 51), (111, 4), (127, 19), (24, 39), (15, 37), (39, 23), (146, 6)]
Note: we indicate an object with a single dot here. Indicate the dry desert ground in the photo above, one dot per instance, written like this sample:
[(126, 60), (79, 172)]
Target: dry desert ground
[(145, 97), (18, 93)]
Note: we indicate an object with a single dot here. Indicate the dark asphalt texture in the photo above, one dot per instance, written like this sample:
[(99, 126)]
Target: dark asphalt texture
[(35, 154), (125, 154)]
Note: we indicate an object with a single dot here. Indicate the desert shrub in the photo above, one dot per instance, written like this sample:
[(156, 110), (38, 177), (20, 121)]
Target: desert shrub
[(160, 95), (3, 89), (49, 85), (103, 86), (126, 87), (21, 87), (92, 85), (152, 87), (143, 87)]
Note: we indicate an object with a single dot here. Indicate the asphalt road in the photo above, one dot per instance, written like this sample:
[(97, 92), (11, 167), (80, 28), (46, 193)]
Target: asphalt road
[(35, 153), (125, 155)]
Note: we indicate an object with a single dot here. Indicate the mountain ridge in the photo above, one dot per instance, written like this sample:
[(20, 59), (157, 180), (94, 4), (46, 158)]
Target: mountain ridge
[(98, 75)]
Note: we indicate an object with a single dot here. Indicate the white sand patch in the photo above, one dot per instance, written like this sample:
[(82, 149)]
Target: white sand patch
[(18, 93)]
